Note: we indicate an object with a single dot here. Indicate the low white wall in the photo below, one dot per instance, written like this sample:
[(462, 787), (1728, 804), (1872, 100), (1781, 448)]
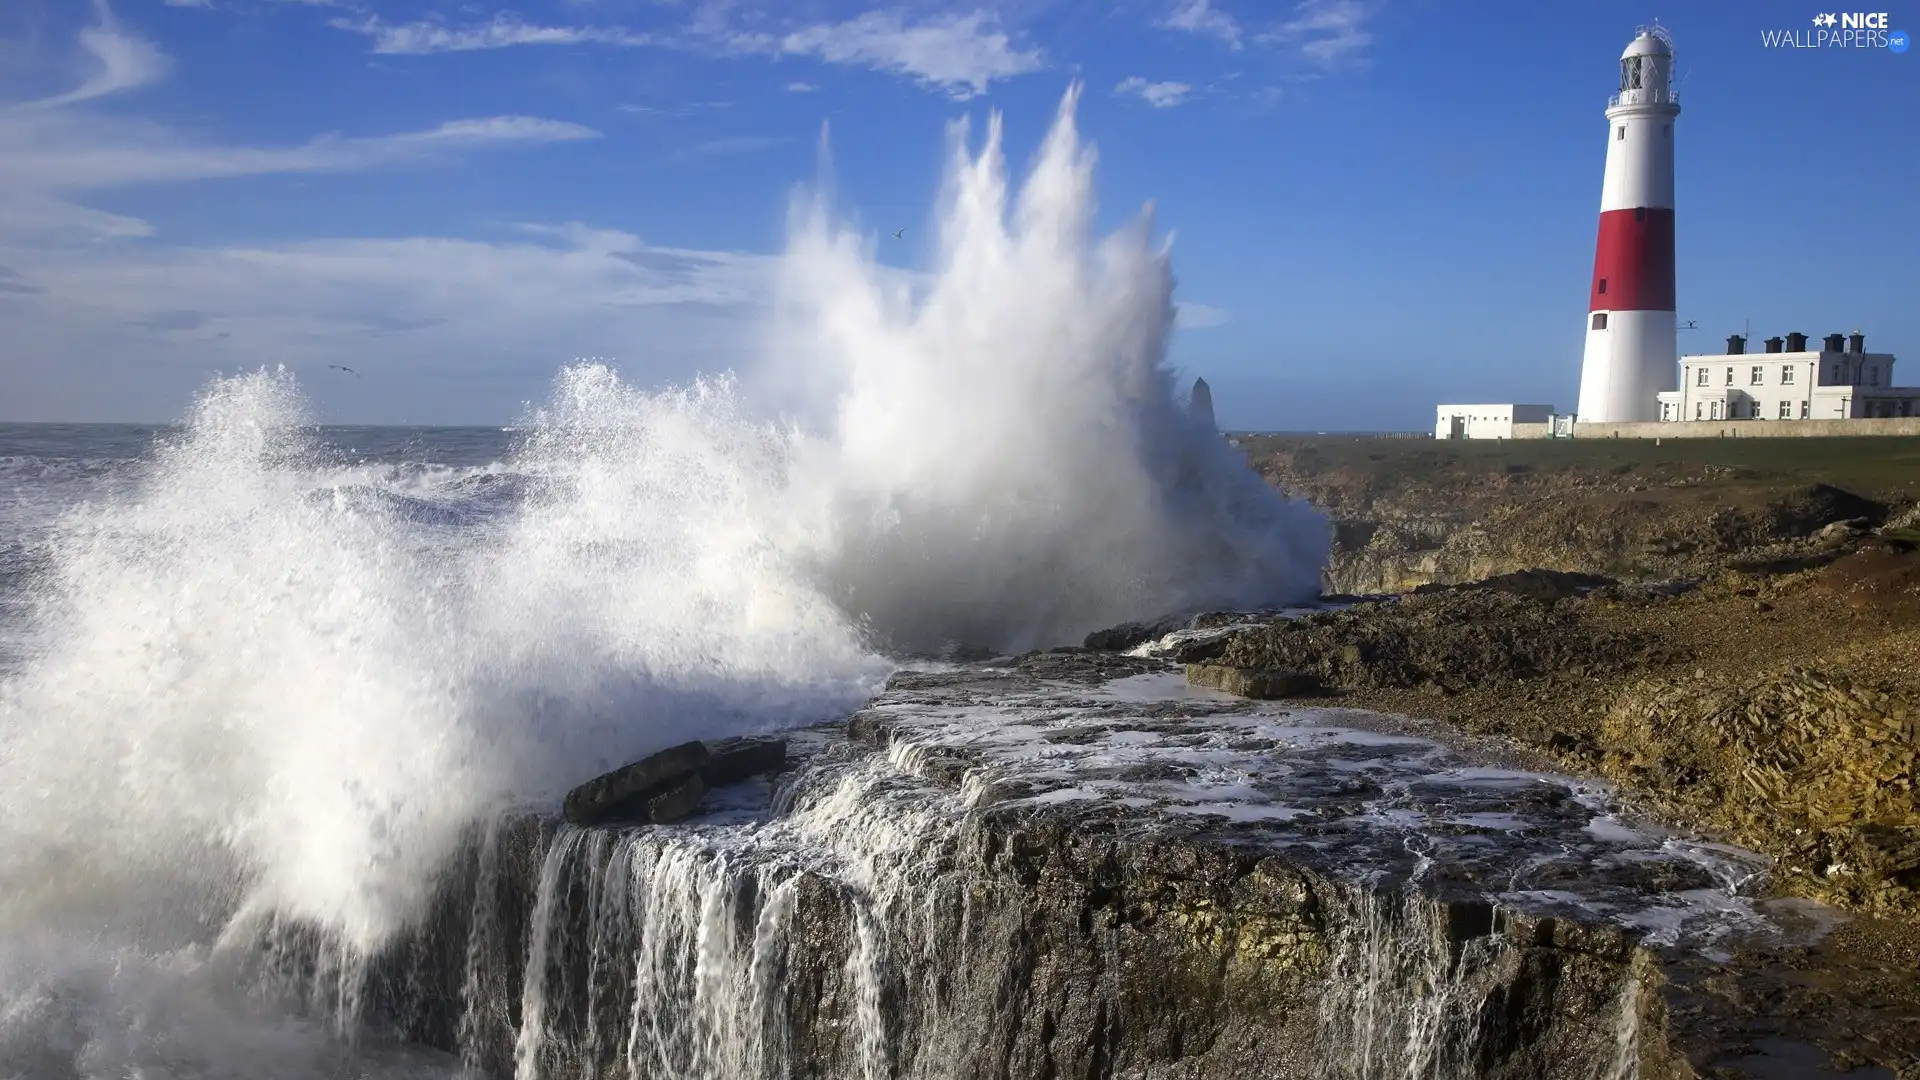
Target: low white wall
[(1747, 429)]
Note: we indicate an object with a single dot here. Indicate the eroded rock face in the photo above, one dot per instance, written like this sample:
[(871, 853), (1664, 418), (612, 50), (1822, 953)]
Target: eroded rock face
[(1073, 865)]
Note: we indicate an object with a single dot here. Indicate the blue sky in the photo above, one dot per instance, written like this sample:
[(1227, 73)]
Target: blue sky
[(1377, 204)]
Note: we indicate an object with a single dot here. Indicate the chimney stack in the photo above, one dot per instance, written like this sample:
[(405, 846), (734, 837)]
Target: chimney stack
[(1835, 343), (1773, 344), (1796, 343), (1736, 344), (1857, 343)]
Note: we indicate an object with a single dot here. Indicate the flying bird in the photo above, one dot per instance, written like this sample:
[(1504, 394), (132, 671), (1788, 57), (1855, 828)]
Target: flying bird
[(345, 368), (899, 234)]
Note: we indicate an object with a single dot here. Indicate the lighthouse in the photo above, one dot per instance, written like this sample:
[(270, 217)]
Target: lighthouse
[(1631, 354)]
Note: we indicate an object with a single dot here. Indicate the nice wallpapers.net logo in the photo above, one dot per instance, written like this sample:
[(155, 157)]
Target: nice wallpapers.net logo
[(1840, 30)]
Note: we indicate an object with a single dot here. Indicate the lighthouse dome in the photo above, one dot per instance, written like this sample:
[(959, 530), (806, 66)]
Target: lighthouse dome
[(1647, 44)]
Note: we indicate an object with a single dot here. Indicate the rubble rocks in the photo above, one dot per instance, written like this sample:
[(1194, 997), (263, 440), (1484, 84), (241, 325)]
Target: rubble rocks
[(1812, 764), (1444, 639), (1251, 683)]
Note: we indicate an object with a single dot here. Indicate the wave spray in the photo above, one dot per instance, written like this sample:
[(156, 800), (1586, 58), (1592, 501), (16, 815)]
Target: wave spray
[(264, 677)]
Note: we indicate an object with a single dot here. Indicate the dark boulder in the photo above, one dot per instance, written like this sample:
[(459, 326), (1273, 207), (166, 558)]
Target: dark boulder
[(733, 760), (677, 800), (624, 791)]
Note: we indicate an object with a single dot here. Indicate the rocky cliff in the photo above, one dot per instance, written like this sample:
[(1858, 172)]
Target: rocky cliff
[(1066, 864), (1415, 512)]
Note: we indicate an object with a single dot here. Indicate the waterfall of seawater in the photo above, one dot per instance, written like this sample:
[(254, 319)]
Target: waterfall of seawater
[(857, 928), (265, 690)]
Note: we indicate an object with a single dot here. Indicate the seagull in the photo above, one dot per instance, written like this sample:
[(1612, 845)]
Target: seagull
[(899, 234), (345, 368)]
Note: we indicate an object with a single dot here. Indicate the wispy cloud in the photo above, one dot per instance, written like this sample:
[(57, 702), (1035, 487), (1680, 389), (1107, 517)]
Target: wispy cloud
[(1160, 95), (119, 62), (1201, 17), (46, 153), (959, 54), (1328, 32), (685, 108), (190, 3), (801, 88), (504, 31), (54, 149)]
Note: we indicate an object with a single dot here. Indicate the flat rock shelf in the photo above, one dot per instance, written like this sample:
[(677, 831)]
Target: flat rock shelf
[(1073, 864)]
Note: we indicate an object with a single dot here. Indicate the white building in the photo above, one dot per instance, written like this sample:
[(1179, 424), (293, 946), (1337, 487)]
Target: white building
[(1839, 381), (1487, 421)]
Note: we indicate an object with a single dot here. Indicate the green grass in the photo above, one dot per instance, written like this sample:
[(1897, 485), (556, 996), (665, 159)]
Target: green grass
[(1877, 465)]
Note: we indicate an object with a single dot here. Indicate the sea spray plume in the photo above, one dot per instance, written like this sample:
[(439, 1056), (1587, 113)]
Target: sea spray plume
[(263, 688), (1008, 464), (233, 693)]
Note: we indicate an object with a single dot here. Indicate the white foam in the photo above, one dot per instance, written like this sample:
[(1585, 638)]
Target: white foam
[(260, 689)]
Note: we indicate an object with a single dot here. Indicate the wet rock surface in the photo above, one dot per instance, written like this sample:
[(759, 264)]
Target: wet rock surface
[(1072, 863)]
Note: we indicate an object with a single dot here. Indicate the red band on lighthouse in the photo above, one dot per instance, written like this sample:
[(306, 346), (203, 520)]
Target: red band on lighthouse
[(1633, 261)]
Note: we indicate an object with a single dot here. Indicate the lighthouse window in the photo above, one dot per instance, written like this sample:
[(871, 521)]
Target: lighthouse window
[(1599, 320), (1619, 133), (1666, 131), (1603, 286)]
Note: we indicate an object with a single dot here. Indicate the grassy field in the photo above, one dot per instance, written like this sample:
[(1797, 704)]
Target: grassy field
[(1880, 467)]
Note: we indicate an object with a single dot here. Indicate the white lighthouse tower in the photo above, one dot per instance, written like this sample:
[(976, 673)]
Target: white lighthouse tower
[(1631, 355)]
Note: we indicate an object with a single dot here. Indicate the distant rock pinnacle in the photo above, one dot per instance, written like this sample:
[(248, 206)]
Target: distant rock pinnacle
[(1200, 403)]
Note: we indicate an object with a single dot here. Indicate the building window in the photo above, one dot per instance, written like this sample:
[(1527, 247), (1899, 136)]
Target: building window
[(1620, 133), (1699, 409), (1873, 376), (1716, 410), (1603, 286), (1729, 376), (1786, 375), (1757, 376), (1786, 410), (1804, 406), (1599, 320), (1838, 374), (1702, 379)]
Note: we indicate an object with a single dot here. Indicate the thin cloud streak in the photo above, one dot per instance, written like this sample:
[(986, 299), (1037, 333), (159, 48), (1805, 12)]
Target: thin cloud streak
[(960, 54), (1200, 17), (503, 32), (58, 154), (1160, 95)]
